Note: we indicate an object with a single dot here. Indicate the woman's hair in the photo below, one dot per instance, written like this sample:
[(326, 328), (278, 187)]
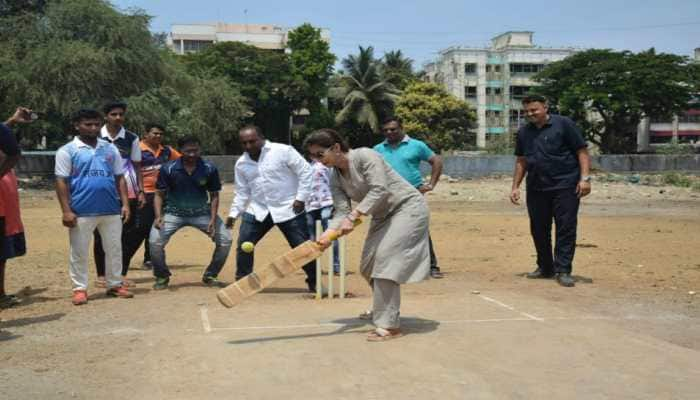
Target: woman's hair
[(326, 138)]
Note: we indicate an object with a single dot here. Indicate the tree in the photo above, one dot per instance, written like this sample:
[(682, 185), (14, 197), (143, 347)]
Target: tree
[(72, 54), (431, 114), (608, 92), (264, 77), (312, 63), (367, 97), (397, 69)]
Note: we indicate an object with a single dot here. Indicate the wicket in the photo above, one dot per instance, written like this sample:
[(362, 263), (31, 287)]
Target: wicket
[(329, 263)]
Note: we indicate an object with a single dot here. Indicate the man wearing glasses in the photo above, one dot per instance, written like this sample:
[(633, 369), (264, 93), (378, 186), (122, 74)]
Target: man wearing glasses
[(405, 154), (273, 183)]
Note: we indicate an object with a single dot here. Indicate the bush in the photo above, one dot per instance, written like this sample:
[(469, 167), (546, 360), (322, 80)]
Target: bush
[(676, 179), (675, 148)]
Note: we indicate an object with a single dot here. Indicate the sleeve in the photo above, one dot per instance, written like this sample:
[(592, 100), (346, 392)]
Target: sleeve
[(63, 166), (8, 143), (136, 150), (163, 175), (117, 162), (374, 174), (426, 153), (213, 180), (174, 154), (303, 171), (519, 148), (242, 195), (341, 201), (572, 135)]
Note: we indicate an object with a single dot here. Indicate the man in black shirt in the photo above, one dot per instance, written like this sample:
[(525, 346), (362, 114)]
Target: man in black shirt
[(551, 150)]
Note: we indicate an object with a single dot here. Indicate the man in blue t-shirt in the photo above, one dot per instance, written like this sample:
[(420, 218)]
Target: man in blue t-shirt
[(551, 151), (92, 195), (405, 154), (188, 195)]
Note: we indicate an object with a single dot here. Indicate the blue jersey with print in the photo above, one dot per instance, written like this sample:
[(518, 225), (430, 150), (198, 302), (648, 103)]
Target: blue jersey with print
[(92, 183)]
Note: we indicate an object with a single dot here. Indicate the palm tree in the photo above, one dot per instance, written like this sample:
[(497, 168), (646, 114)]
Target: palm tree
[(367, 97), (397, 69)]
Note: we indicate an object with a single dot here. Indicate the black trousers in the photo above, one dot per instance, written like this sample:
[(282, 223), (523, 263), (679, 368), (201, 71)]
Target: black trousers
[(561, 206), (132, 236), (433, 258)]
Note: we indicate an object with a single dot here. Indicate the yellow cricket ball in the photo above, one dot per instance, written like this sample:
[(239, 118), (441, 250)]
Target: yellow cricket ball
[(247, 247)]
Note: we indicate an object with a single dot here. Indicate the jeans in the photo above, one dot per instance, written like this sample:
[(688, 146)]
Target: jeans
[(323, 214), (252, 230), (171, 223), (562, 205)]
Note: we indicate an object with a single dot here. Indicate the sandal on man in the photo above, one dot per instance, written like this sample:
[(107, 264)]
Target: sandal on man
[(101, 282), (382, 335), (9, 300)]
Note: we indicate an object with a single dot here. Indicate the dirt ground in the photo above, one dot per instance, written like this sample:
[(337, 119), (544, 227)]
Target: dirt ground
[(630, 329)]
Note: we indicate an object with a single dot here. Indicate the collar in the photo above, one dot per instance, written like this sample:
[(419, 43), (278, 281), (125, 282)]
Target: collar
[(546, 124), (105, 133), (266, 147), (180, 165), (80, 143), (146, 147), (405, 139)]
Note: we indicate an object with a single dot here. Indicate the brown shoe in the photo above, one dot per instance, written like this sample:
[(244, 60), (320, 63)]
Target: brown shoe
[(120, 291)]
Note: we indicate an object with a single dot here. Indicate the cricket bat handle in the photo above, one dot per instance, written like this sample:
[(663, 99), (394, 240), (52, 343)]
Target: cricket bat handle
[(336, 234)]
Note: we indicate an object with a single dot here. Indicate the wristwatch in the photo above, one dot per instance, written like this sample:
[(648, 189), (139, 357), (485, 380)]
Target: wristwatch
[(586, 178)]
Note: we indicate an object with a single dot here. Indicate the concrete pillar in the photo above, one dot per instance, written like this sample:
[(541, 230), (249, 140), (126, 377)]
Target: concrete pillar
[(643, 135), (182, 46)]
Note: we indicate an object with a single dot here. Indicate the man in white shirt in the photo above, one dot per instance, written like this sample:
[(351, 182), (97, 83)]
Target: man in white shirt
[(273, 182)]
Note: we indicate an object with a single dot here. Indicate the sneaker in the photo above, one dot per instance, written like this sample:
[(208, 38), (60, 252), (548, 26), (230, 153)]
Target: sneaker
[(161, 283), (147, 265), (120, 291), (436, 274), (9, 300), (79, 297), (212, 281), (565, 279)]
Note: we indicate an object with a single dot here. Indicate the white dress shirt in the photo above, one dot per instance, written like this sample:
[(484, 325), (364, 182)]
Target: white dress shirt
[(272, 184)]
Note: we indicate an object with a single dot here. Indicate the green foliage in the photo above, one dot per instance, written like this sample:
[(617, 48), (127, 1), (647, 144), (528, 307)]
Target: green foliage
[(367, 97), (431, 114), (674, 148), (619, 89), (73, 54), (501, 144), (311, 63), (676, 179), (397, 69)]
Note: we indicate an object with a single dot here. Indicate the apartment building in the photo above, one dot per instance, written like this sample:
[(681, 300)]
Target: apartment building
[(185, 38), (494, 79)]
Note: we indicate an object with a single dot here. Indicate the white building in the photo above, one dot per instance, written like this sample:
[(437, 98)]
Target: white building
[(494, 79), (186, 38)]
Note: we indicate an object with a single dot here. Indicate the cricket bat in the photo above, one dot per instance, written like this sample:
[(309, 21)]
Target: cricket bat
[(280, 267)]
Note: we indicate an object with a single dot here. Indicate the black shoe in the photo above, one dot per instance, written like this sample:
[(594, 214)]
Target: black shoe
[(539, 274), (212, 281), (565, 279), (436, 274)]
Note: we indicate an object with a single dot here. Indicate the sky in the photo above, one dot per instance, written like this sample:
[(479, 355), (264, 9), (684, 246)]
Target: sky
[(420, 29)]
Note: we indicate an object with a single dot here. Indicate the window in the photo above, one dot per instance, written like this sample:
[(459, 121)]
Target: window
[(470, 92), (686, 118), (496, 68), (195, 45), (494, 91), (521, 69), (470, 69), (488, 68), (519, 92)]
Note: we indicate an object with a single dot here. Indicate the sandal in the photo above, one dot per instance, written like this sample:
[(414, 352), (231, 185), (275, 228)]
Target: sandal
[(9, 300), (365, 315), (382, 335), (128, 283), (101, 282)]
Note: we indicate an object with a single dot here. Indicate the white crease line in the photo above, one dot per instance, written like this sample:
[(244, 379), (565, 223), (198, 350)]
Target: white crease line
[(506, 306), (205, 318)]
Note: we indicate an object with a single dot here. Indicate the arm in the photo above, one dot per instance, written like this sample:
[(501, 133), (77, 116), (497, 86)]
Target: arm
[(240, 198), (435, 171), (124, 196), (69, 218), (518, 175), (341, 210), (303, 171), (214, 208), (375, 176), (136, 157), (583, 188), (158, 201), (9, 150)]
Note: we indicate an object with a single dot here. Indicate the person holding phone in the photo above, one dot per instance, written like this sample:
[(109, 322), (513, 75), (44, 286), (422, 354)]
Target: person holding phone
[(273, 183)]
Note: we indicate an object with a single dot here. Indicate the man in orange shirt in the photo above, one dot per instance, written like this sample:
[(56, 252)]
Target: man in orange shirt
[(153, 156)]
